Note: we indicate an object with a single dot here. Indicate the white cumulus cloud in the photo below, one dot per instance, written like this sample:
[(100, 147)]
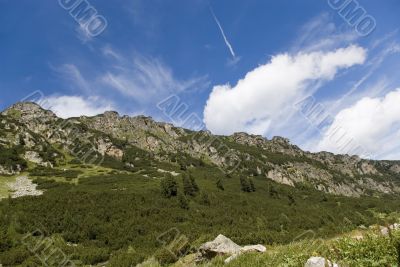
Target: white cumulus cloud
[(265, 96), (370, 127), (75, 106)]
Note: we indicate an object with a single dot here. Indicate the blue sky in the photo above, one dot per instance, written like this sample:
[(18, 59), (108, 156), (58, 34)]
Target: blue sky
[(291, 68)]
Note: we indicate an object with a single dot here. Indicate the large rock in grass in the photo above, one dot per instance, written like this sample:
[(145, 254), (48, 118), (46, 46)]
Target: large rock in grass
[(246, 249), (319, 262), (253, 248), (223, 246), (386, 230), (219, 246)]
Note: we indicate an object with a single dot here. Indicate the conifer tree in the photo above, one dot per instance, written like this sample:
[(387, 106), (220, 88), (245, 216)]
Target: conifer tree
[(220, 185), (183, 202), (169, 186), (187, 186), (204, 199), (252, 186), (194, 184), (245, 184)]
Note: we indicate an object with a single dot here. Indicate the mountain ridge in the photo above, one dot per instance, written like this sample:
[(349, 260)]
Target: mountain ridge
[(100, 186), (109, 134)]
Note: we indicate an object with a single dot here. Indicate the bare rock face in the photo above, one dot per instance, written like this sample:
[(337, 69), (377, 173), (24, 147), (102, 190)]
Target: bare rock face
[(152, 143), (33, 127), (115, 152), (368, 168), (106, 147), (280, 140), (248, 139), (28, 111), (279, 177), (34, 157), (111, 115), (277, 144), (395, 168), (28, 139), (24, 187), (9, 171), (168, 128)]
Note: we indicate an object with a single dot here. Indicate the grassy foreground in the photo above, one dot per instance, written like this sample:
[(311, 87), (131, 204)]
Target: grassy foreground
[(366, 248), (372, 250)]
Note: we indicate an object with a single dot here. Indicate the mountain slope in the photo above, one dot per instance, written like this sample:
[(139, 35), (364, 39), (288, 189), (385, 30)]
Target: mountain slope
[(116, 190), (108, 134)]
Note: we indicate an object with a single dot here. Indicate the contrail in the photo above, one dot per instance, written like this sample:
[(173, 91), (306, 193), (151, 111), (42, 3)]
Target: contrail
[(223, 34)]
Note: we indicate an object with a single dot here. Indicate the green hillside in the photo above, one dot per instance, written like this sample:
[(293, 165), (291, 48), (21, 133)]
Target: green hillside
[(115, 215), (117, 191)]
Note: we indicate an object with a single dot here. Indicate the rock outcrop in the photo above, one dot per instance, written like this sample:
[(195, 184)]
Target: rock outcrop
[(386, 230), (319, 262), (34, 157), (223, 246), (24, 187), (219, 246), (9, 170), (109, 134)]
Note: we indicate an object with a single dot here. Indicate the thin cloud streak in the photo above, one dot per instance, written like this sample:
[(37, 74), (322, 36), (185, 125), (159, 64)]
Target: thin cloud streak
[(228, 44)]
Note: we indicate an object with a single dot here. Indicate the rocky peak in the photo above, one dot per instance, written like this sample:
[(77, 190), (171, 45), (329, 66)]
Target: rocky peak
[(144, 119), (28, 111), (249, 139), (281, 140), (23, 107), (111, 114)]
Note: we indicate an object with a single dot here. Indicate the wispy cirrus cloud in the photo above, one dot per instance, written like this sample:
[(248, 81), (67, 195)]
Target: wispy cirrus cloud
[(138, 79), (83, 34), (72, 74), (359, 89), (146, 79), (320, 33)]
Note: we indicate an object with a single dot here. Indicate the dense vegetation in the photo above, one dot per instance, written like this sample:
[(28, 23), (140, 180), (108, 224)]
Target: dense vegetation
[(122, 211), (120, 216), (46, 172), (10, 158)]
